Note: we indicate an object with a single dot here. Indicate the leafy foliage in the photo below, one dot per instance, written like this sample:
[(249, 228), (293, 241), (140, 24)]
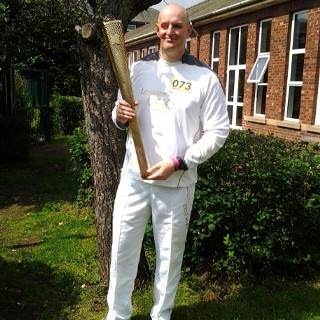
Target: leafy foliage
[(81, 168), (67, 113), (49, 266), (256, 208), (4, 15), (39, 34)]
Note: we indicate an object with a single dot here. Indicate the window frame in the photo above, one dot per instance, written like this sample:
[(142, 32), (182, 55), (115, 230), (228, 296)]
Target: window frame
[(152, 49), (263, 70), (135, 55), (129, 58), (292, 84), (261, 84), (131, 27), (141, 53), (215, 59), (236, 72), (187, 45)]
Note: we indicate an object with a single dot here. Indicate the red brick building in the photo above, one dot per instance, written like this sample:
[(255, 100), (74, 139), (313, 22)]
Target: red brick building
[(266, 54)]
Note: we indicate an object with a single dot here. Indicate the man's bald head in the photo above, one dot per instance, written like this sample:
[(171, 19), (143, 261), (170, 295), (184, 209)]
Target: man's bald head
[(175, 9), (173, 29)]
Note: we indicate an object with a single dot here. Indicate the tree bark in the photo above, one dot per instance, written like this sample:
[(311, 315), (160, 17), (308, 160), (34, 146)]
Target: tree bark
[(106, 142)]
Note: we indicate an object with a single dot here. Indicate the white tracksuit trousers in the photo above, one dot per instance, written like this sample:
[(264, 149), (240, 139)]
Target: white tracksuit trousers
[(170, 210)]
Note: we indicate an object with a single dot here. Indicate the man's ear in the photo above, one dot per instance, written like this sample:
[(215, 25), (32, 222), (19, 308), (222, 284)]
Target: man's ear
[(156, 29), (190, 27)]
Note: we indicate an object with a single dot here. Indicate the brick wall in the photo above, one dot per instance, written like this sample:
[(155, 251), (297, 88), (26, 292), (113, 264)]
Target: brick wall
[(223, 57), (278, 66), (205, 48), (281, 16)]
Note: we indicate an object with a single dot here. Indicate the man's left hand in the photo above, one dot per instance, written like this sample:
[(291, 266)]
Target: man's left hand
[(161, 171)]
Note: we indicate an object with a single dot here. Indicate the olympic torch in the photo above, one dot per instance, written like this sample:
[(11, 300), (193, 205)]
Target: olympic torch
[(113, 32)]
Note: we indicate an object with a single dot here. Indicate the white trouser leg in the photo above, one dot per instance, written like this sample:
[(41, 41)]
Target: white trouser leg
[(171, 208), (130, 217)]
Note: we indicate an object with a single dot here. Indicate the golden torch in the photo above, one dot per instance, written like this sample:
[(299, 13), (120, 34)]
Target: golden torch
[(113, 32)]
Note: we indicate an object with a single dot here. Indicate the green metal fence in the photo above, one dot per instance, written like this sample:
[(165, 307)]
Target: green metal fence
[(35, 106)]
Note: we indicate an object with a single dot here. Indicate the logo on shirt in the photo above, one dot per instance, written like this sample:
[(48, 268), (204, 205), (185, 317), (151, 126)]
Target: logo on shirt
[(157, 104), (163, 101)]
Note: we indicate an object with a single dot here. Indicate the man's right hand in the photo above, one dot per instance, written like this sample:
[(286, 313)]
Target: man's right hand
[(124, 112)]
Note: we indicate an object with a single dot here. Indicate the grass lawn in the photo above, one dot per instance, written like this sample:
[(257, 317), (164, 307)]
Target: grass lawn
[(49, 265)]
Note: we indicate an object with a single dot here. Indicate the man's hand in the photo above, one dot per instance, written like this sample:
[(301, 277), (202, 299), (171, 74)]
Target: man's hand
[(161, 171), (124, 112)]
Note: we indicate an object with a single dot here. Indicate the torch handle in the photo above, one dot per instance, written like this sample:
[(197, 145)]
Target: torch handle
[(113, 32)]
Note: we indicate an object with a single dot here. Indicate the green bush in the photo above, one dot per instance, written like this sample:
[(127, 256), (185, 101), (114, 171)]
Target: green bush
[(81, 168), (67, 113), (14, 138), (257, 208)]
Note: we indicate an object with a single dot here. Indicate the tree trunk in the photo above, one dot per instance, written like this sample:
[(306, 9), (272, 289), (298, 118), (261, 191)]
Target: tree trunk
[(106, 142)]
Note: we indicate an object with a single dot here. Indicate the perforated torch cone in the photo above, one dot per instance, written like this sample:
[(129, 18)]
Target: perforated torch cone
[(113, 32)]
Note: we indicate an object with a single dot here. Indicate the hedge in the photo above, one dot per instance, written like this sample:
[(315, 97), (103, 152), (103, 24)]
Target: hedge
[(257, 209)]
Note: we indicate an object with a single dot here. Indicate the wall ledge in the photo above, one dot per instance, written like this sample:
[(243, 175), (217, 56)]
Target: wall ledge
[(254, 119), (310, 128), (289, 124), (283, 124)]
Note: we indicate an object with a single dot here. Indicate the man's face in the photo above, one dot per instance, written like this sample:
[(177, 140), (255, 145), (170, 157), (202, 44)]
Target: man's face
[(173, 29)]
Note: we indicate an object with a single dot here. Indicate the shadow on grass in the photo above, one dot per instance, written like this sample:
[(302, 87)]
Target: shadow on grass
[(44, 176), (299, 302), (296, 301), (31, 290)]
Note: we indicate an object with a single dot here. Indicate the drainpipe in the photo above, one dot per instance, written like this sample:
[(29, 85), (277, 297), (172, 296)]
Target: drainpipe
[(198, 39)]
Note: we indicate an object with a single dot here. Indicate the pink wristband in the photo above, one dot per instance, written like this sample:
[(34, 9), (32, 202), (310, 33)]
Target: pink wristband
[(175, 163)]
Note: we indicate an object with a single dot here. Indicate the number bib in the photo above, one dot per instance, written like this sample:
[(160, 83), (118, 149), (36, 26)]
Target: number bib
[(182, 85)]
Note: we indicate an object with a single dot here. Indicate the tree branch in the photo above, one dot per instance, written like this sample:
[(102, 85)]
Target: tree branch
[(85, 31)]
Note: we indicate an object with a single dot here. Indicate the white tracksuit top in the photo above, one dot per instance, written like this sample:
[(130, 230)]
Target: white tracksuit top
[(181, 112)]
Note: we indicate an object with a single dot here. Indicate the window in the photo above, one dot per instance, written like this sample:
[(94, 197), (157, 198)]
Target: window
[(259, 69), (142, 52), (235, 74), (151, 49), (259, 72), (296, 62), (187, 45), (215, 51), (131, 27), (135, 56)]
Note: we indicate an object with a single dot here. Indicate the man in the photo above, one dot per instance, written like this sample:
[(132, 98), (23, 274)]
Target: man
[(183, 121)]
